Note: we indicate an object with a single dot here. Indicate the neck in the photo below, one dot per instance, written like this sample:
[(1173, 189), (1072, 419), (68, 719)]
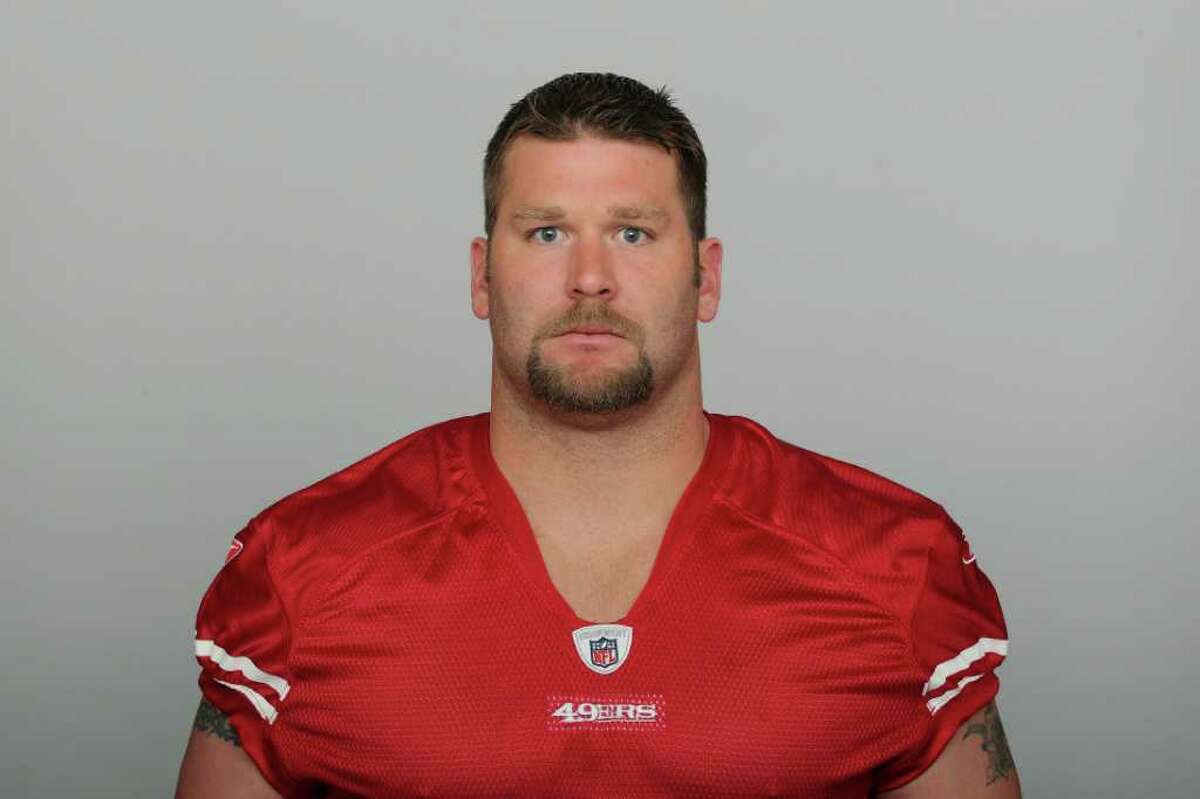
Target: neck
[(628, 461)]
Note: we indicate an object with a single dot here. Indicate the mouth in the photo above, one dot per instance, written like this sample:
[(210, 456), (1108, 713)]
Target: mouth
[(592, 330), (591, 338)]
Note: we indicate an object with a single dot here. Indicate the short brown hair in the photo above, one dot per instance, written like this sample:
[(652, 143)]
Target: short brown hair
[(608, 105)]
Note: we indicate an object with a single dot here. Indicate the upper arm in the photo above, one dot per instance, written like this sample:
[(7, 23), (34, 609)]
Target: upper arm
[(215, 764), (243, 641), (976, 764), (958, 639)]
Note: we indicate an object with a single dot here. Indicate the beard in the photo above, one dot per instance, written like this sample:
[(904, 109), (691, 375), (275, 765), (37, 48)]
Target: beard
[(554, 385), (614, 392)]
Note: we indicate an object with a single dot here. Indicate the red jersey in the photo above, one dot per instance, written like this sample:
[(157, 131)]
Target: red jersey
[(808, 629)]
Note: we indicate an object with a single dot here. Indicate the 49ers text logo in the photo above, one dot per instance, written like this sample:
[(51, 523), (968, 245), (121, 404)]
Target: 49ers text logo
[(568, 712)]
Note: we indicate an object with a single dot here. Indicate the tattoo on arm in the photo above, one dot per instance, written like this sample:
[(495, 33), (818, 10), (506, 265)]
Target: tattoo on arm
[(212, 721), (1000, 762)]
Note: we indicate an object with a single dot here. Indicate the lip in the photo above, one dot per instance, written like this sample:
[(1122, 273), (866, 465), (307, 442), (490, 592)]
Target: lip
[(590, 341), (593, 330)]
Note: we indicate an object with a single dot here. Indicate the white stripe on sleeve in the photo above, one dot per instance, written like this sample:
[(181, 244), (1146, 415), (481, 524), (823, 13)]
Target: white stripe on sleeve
[(264, 708), (938, 702), (228, 662), (976, 651)]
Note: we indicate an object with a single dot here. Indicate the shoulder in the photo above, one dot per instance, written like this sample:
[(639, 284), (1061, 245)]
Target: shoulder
[(408, 484), (877, 528)]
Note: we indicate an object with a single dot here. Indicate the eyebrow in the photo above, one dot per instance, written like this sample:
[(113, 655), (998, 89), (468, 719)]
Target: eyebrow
[(637, 212), (548, 213), (553, 213)]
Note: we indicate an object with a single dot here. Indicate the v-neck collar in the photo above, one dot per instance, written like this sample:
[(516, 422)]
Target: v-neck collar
[(510, 517)]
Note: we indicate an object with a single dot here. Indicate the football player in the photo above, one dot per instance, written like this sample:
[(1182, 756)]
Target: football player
[(598, 588)]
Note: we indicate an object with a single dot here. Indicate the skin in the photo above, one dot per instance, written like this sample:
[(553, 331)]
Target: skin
[(215, 764), (976, 764), (593, 231)]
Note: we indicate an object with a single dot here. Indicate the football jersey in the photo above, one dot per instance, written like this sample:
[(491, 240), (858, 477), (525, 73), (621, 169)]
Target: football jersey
[(808, 629)]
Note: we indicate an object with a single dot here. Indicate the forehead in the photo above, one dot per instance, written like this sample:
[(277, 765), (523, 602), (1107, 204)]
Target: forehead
[(538, 170)]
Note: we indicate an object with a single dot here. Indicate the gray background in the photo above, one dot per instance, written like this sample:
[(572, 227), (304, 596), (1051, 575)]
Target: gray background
[(962, 244)]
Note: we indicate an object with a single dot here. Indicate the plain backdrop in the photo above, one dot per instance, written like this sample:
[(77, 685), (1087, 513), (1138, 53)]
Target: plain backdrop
[(962, 251)]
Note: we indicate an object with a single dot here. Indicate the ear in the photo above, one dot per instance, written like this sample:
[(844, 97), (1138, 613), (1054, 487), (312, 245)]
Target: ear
[(709, 253), (479, 277)]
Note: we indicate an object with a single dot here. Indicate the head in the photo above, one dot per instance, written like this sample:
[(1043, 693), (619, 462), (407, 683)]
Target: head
[(595, 268), (606, 106)]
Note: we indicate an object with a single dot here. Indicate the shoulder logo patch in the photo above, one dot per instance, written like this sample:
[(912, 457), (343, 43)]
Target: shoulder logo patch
[(968, 557), (235, 549), (603, 648)]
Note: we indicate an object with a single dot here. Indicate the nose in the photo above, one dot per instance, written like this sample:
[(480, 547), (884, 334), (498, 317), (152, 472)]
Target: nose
[(591, 271)]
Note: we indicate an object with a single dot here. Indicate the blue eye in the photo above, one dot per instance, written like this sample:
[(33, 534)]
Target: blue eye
[(546, 235), (633, 235)]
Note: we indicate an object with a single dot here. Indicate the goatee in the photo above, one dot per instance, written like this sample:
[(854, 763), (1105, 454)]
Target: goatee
[(615, 393)]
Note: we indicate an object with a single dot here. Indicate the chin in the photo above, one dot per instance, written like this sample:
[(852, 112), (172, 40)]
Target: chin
[(613, 391)]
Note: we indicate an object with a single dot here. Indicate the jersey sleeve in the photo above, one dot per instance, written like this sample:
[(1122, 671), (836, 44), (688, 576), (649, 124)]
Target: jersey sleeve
[(959, 638), (242, 642)]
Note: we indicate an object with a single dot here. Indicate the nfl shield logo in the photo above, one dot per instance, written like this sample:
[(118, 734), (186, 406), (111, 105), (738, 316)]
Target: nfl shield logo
[(603, 648), (604, 652)]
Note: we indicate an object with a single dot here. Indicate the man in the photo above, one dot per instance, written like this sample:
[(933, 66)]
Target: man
[(599, 588)]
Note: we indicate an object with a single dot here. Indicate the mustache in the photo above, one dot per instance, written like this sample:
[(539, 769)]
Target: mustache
[(592, 314)]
